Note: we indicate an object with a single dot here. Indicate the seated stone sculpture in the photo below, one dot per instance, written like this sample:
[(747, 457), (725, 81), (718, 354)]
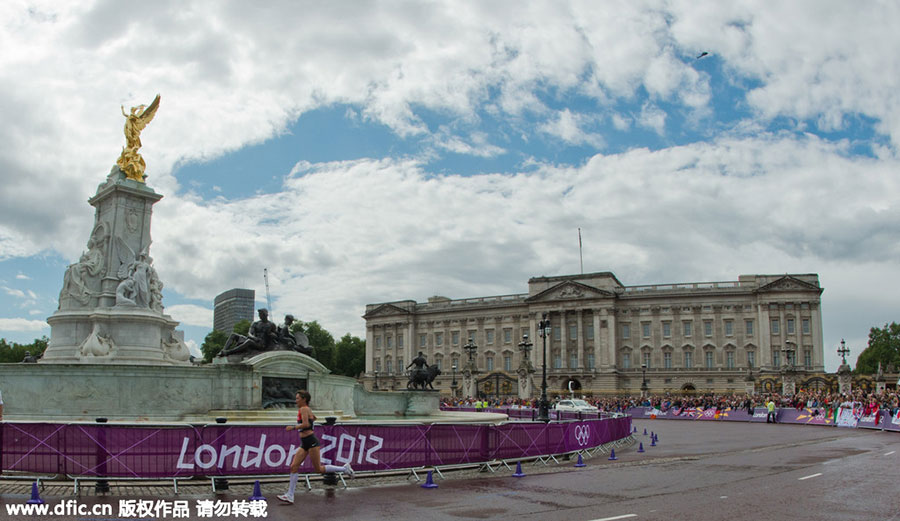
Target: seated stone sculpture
[(262, 336)]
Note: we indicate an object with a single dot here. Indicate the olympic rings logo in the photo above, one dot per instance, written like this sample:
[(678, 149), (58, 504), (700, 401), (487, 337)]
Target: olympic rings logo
[(582, 434)]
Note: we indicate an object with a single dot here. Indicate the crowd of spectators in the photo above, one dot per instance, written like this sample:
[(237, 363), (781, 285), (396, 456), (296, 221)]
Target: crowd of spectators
[(862, 402)]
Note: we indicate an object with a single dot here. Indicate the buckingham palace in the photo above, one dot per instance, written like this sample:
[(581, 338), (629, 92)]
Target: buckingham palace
[(606, 338)]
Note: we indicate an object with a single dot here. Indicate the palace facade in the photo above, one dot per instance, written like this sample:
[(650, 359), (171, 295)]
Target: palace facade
[(609, 338)]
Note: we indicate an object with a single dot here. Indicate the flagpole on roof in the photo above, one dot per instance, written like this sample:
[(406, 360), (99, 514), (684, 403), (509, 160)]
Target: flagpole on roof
[(580, 255)]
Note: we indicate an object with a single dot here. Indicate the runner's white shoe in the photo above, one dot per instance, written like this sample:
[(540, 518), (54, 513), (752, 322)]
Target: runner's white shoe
[(286, 498), (349, 470)]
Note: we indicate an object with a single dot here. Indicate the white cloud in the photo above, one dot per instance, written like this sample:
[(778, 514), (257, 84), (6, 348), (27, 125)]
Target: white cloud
[(21, 324), (191, 315), (22, 276), (14, 292), (653, 118), (567, 126)]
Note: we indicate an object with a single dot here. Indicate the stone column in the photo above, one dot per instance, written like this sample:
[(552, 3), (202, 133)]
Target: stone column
[(580, 339), (611, 336)]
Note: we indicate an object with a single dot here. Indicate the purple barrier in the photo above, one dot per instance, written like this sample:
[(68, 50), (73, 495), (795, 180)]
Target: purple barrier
[(152, 452)]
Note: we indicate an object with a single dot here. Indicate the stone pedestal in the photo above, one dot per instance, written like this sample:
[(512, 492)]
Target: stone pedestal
[(526, 382), (110, 305), (788, 384), (468, 384), (845, 379)]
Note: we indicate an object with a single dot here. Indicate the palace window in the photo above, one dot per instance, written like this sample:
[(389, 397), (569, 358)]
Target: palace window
[(807, 358), (589, 332), (647, 360), (507, 363), (507, 335), (454, 338), (438, 339), (776, 357), (686, 328), (388, 367), (573, 332), (423, 338), (729, 359), (389, 341), (557, 333), (489, 336), (775, 326), (709, 359), (378, 342), (707, 327), (626, 360), (573, 361), (400, 365), (489, 363), (400, 340), (729, 328), (645, 330), (751, 359), (790, 326), (667, 329), (667, 360), (378, 365), (804, 325), (590, 360), (557, 362), (439, 362), (688, 359), (626, 331), (748, 327)]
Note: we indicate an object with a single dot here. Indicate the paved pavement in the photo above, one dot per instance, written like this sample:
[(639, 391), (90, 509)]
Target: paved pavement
[(698, 471)]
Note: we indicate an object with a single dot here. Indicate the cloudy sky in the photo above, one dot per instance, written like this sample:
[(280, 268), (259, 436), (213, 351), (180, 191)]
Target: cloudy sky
[(371, 151)]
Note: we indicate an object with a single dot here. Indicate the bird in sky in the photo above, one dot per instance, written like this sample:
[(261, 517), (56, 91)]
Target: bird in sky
[(702, 54)]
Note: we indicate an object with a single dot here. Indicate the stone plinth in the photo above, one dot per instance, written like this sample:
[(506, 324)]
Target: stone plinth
[(110, 305)]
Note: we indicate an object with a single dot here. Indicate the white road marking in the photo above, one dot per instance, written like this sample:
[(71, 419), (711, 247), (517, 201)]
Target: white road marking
[(723, 497), (617, 517), (812, 476), (891, 452)]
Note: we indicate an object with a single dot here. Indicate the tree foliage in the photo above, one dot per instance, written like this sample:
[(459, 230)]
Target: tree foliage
[(884, 347), (350, 356), (13, 352), (212, 344), (242, 327), (319, 339)]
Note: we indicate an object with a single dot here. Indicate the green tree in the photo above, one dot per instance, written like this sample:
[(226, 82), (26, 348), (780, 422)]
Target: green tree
[(350, 356), (884, 347), (13, 352), (212, 344), (319, 339), (242, 327)]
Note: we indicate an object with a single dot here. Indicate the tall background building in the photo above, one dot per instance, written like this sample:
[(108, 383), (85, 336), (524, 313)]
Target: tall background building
[(233, 306), (608, 338)]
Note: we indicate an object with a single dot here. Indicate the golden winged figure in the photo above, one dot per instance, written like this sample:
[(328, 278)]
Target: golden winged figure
[(130, 161)]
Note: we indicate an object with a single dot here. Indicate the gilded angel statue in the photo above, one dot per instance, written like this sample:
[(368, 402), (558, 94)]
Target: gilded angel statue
[(130, 161)]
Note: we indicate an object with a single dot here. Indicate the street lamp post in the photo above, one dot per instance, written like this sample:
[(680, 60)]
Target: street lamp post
[(453, 383), (544, 405), (376, 380), (843, 351), (644, 387), (525, 346), (471, 367)]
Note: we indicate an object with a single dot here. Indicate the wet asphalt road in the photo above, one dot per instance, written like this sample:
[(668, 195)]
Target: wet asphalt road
[(698, 471)]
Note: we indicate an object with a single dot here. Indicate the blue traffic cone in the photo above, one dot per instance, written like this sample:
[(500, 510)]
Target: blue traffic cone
[(580, 461), (641, 447), (429, 482), (653, 442), (612, 455), (257, 493), (518, 473), (35, 495), (645, 431), (656, 437), (635, 429)]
